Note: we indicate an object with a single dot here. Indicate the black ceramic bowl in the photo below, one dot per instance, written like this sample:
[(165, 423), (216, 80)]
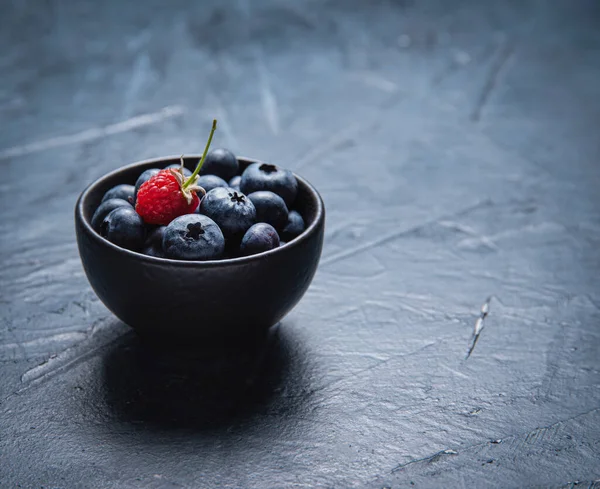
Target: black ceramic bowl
[(175, 299)]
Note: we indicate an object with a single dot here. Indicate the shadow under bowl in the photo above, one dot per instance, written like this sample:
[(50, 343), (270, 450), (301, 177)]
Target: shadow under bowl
[(178, 300)]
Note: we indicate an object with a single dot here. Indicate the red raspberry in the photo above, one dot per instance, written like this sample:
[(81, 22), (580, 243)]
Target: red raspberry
[(162, 198), (168, 194)]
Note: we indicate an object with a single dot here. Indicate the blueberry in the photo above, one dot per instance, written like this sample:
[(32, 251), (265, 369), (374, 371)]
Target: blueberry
[(263, 176), (155, 238), (230, 209), (104, 209), (235, 182), (176, 166), (124, 227), (153, 243), (123, 191), (260, 237), (220, 162), (208, 182), (144, 177), (270, 208), (154, 251), (294, 226), (193, 237)]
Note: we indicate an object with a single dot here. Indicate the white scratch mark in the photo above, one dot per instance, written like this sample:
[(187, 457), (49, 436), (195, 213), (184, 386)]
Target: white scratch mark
[(267, 97), (269, 103), (141, 72), (475, 241), (433, 458), (455, 372), (457, 226), (490, 241), (54, 365), (462, 58), (225, 125), (43, 341), (485, 309), (404, 41), (478, 242), (139, 40), (222, 115), (94, 133), (14, 103), (71, 356), (375, 80)]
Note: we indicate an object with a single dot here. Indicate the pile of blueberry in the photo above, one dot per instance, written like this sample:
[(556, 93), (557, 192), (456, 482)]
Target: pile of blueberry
[(240, 214)]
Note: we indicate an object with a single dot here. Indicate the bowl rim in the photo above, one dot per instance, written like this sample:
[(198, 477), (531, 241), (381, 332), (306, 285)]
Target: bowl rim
[(305, 235)]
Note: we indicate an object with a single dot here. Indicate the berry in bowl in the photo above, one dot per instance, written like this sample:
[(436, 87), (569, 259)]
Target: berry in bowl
[(177, 262)]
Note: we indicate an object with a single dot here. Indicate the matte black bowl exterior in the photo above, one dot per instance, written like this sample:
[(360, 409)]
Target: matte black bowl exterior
[(198, 299)]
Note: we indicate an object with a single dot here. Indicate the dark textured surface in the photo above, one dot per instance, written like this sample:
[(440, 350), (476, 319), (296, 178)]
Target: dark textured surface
[(477, 123)]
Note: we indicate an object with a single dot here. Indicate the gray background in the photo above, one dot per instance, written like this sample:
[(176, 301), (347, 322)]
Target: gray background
[(456, 146)]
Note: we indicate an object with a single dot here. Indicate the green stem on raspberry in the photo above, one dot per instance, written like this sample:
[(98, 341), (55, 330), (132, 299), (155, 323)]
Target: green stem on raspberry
[(201, 162)]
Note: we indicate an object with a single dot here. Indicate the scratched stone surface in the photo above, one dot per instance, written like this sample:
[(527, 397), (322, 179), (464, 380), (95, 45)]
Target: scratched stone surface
[(456, 146)]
